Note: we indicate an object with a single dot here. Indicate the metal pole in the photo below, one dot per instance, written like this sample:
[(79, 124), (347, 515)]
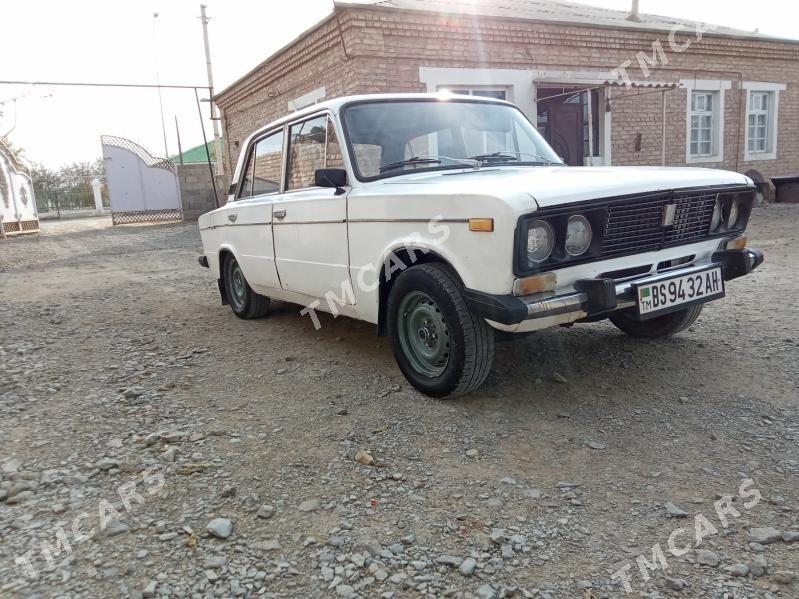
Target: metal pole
[(220, 169), (590, 128), (663, 131), (158, 81), (180, 148), (205, 145)]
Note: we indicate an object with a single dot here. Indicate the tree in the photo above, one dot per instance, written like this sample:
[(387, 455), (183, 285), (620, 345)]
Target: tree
[(67, 187)]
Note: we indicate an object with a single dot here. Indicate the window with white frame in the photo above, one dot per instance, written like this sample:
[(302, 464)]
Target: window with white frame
[(758, 121), (704, 123), (498, 93), (704, 110), (762, 119)]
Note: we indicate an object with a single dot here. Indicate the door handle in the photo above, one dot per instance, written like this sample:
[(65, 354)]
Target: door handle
[(232, 217), (280, 213)]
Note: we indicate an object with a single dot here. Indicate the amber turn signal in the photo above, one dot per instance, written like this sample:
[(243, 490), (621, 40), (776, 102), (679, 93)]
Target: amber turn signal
[(536, 284), (481, 224), (736, 243)]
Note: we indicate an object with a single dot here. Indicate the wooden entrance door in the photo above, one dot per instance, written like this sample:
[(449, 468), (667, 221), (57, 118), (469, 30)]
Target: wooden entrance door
[(566, 132)]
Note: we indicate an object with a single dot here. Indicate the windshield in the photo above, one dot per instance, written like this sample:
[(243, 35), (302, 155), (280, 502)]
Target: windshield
[(389, 138)]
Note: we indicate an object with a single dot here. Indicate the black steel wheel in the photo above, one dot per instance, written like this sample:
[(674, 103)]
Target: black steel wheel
[(440, 346), (244, 302)]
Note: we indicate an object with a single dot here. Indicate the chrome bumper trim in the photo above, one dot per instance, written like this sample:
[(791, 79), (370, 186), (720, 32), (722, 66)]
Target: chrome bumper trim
[(540, 305)]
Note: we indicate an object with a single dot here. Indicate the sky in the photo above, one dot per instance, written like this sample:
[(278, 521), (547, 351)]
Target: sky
[(122, 41)]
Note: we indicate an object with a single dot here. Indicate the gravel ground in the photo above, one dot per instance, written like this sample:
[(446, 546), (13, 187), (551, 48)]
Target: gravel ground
[(152, 444)]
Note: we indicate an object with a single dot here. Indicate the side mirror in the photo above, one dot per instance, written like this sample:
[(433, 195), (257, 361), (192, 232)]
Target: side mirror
[(331, 177)]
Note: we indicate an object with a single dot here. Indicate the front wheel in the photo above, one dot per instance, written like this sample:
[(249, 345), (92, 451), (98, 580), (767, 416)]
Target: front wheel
[(440, 346), (660, 326), (244, 302)]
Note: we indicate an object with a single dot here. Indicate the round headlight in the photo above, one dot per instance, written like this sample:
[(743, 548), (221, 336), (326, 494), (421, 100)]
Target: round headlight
[(578, 235), (715, 220), (540, 239), (733, 217)]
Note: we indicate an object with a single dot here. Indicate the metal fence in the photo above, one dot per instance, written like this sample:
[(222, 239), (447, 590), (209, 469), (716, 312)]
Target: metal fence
[(58, 202)]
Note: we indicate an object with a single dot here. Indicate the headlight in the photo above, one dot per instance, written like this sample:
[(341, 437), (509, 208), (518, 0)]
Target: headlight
[(733, 217), (540, 239), (715, 221), (578, 235)]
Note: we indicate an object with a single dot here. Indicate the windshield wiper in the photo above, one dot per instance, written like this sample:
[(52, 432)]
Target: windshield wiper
[(428, 160), (511, 156)]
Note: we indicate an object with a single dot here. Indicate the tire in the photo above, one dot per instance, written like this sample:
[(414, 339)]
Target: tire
[(658, 327), (440, 346), (244, 302)]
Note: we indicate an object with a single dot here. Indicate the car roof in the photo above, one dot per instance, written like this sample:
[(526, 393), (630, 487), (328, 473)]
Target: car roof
[(335, 104)]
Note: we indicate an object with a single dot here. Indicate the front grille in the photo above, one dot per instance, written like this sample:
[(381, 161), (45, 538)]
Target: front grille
[(636, 225)]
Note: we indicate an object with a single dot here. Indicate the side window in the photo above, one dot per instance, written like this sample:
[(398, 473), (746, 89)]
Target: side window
[(268, 164), (312, 145), (245, 189)]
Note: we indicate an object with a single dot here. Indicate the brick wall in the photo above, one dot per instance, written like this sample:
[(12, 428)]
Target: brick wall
[(370, 49), (196, 190)]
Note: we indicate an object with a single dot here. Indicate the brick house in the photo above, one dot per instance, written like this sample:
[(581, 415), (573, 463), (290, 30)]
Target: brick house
[(604, 87)]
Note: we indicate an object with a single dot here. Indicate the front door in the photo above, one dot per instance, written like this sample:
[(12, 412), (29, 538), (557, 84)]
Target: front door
[(566, 132), (310, 223)]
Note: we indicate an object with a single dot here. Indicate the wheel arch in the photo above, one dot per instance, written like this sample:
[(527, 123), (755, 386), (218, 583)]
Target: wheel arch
[(222, 254), (407, 255)]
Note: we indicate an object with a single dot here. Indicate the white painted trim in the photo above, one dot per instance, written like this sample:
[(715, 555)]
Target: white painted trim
[(312, 97), (774, 89), (763, 86), (706, 85), (718, 86)]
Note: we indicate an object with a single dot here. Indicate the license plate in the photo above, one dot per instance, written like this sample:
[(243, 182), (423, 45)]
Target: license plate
[(669, 294)]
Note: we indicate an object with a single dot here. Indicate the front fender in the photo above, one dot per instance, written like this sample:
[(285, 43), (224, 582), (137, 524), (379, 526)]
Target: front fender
[(482, 260)]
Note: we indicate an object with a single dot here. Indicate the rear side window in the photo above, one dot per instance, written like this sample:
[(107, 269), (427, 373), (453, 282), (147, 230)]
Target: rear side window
[(264, 164), (312, 145), (245, 189), (268, 164)]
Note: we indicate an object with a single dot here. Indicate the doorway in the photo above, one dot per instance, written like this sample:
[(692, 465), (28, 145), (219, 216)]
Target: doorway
[(568, 118)]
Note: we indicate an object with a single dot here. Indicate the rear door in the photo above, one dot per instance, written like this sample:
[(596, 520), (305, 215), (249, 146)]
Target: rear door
[(249, 218), (310, 223)]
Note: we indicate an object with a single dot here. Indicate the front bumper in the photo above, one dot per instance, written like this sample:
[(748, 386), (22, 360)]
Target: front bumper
[(595, 297)]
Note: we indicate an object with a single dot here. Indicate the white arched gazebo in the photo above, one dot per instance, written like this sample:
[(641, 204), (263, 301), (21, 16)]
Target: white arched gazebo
[(18, 213)]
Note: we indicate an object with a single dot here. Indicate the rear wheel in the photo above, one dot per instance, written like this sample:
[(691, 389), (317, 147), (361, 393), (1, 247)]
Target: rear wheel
[(440, 346), (244, 302), (660, 326)]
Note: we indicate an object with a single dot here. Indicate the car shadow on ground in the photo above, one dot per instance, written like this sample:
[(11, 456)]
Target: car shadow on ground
[(545, 367)]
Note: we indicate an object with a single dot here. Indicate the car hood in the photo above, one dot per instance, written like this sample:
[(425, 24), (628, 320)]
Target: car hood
[(558, 185)]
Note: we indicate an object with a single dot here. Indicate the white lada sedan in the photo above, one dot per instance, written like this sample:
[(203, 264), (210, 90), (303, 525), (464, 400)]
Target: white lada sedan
[(443, 219)]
